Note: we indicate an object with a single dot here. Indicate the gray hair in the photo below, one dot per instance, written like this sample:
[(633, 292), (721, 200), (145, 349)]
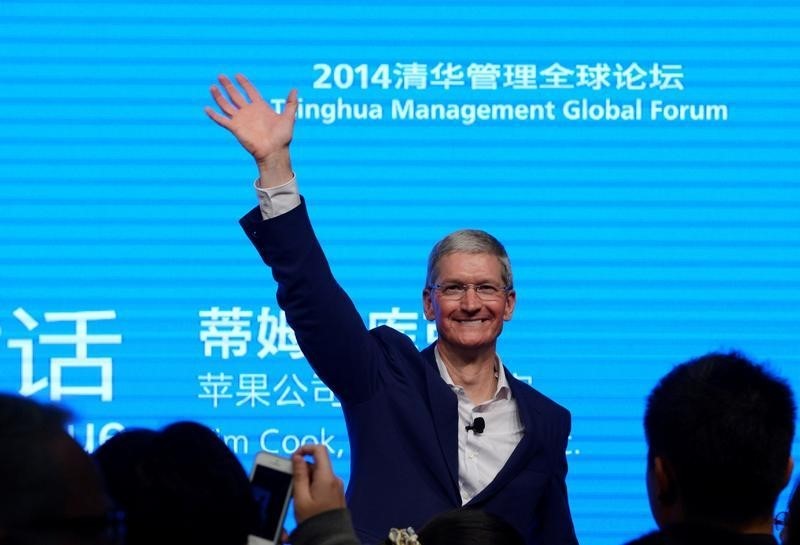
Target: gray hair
[(469, 241)]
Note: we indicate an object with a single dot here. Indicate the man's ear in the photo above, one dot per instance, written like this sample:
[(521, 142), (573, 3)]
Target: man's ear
[(427, 304), (663, 492), (511, 302), (666, 492)]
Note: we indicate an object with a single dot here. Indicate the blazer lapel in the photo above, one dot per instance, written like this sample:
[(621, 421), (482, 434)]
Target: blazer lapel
[(444, 411), (524, 449)]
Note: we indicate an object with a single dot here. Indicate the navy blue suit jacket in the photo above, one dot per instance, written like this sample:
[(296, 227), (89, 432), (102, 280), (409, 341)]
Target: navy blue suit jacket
[(402, 418)]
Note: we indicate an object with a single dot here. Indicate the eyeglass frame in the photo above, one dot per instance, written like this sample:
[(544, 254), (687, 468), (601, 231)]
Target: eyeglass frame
[(464, 287), (780, 520)]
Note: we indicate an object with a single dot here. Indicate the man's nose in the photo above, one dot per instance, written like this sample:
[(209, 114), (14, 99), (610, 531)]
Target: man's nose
[(471, 299)]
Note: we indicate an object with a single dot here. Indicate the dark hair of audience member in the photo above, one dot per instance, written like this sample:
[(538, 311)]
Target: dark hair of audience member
[(181, 484), (726, 427), (50, 490), (466, 526)]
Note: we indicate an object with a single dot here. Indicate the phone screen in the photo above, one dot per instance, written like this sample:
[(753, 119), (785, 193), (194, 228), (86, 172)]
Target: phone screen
[(271, 489)]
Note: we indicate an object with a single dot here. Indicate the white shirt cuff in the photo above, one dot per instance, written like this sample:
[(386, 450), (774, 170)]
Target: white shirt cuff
[(274, 201)]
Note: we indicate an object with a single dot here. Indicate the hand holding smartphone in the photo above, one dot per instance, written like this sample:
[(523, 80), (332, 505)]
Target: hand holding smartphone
[(274, 479), (316, 488), (271, 482)]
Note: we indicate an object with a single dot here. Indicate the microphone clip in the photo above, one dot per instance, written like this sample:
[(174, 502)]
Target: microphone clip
[(477, 426)]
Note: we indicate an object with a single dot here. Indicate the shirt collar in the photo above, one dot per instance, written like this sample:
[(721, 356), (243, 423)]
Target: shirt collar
[(503, 390)]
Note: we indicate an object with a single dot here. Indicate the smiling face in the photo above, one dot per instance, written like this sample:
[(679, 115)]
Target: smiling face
[(468, 324)]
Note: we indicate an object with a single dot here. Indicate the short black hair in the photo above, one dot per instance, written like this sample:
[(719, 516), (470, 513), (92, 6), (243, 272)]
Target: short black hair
[(468, 526), (180, 484), (725, 426), (32, 484)]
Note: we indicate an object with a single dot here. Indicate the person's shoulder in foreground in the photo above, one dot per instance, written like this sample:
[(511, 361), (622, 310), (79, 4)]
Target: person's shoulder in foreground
[(686, 534)]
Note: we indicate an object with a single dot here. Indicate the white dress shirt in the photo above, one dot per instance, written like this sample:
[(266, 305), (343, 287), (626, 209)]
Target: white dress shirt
[(482, 455)]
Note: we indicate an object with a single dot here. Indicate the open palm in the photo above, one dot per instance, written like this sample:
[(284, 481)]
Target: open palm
[(255, 124)]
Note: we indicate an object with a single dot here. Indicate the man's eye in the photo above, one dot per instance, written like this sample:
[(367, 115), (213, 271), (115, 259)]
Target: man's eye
[(452, 289), (487, 289)]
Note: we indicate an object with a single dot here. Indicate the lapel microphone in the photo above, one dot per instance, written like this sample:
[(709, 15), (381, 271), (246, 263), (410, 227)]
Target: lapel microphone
[(477, 426)]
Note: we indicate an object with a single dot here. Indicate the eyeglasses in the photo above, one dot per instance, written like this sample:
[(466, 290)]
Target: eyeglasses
[(486, 292), (780, 520)]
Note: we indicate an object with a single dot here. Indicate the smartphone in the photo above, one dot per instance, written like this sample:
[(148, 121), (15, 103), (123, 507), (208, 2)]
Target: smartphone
[(271, 482)]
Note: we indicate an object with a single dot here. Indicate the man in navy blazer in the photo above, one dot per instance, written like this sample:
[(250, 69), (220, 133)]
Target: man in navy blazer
[(429, 431)]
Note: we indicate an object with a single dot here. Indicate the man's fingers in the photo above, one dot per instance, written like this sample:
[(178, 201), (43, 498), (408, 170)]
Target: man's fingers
[(249, 88), (236, 97), (300, 471), (218, 119), (291, 104), (222, 102), (322, 460), (308, 449)]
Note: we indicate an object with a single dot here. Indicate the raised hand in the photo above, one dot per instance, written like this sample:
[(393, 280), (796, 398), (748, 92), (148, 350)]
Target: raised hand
[(264, 133), (316, 488)]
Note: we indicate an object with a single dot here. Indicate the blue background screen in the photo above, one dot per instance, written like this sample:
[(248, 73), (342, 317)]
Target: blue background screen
[(639, 161)]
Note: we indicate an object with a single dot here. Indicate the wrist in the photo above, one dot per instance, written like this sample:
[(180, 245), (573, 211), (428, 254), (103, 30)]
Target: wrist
[(274, 169)]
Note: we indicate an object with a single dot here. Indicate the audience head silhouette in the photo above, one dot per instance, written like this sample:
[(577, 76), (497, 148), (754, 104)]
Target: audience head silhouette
[(181, 484), (463, 526), (719, 430), (50, 490)]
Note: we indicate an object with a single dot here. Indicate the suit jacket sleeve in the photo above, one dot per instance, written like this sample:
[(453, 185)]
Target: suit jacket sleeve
[(327, 528), (329, 329)]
